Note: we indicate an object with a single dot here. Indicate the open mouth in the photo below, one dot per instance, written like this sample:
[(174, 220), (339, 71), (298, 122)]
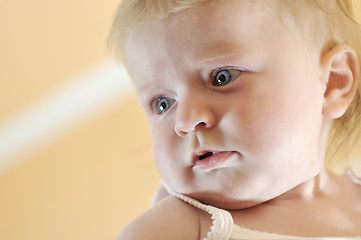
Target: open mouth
[(203, 156), (209, 160)]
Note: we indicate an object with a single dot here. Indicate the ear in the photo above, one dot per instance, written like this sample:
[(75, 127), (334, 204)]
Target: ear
[(340, 75)]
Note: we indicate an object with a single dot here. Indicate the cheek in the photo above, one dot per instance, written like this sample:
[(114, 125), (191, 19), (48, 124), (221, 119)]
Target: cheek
[(162, 155), (171, 160), (277, 121), (161, 140), (261, 133), (165, 147)]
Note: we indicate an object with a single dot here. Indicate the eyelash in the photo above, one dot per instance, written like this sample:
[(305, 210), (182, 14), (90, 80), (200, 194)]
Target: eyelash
[(158, 104), (233, 73)]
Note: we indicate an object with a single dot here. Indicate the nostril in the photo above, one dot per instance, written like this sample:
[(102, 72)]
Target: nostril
[(180, 132), (201, 124), (183, 130)]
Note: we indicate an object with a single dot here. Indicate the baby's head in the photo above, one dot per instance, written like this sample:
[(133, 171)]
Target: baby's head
[(241, 95)]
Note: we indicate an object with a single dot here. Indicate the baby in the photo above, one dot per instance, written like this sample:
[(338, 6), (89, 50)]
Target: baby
[(247, 101)]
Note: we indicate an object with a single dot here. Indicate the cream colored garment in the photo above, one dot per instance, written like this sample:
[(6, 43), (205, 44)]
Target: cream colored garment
[(223, 227)]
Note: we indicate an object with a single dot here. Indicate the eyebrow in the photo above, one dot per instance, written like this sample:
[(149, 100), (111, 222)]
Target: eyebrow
[(143, 88), (221, 51), (226, 58), (147, 87), (221, 58)]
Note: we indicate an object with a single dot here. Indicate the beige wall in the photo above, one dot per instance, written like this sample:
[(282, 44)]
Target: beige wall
[(86, 180), (92, 178)]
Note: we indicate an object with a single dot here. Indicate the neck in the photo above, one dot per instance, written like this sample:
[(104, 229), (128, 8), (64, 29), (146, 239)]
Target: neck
[(309, 190), (325, 185)]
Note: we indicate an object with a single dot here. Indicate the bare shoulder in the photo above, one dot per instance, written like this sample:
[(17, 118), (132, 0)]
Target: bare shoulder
[(357, 196), (171, 218), (351, 190)]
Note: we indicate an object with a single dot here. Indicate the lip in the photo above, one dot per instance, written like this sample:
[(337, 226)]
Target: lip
[(209, 160)]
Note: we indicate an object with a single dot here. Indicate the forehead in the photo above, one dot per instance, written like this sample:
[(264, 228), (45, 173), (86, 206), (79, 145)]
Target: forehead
[(206, 18), (207, 31)]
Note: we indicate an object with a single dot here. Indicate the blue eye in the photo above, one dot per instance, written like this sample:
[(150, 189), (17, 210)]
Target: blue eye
[(223, 77), (162, 104)]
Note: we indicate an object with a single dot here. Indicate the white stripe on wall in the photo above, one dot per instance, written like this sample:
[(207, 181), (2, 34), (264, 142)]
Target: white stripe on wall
[(62, 110)]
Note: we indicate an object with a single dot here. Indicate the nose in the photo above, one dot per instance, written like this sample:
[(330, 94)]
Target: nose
[(193, 114)]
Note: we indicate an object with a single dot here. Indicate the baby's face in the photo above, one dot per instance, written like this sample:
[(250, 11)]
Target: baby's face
[(234, 102)]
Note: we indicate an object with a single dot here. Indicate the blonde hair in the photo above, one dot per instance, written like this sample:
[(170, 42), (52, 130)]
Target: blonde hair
[(331, 23)]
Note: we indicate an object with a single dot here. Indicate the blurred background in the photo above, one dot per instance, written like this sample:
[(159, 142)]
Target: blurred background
[(75, 150)]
